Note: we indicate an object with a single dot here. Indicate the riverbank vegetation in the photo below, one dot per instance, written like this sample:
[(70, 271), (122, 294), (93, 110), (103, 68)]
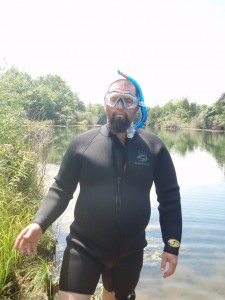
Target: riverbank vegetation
[(21, 190), (184, 114), (49, 99)]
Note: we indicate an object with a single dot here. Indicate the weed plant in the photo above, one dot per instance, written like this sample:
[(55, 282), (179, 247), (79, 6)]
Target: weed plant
[(98, 292), (21, 190)]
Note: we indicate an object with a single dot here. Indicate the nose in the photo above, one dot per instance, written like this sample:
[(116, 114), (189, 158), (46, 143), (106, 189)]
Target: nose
[(119, 103)]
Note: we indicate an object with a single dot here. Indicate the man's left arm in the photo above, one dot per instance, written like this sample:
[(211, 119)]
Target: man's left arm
[(168, 195)]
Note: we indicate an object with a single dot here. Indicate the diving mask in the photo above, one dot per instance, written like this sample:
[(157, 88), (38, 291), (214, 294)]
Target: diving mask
[(128, 100)]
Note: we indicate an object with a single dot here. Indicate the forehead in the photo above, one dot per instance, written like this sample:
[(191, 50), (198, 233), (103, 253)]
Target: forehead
[(123, 86)]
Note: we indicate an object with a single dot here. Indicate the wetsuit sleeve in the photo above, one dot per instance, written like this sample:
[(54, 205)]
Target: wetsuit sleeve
[(61, 191), (168, 196)]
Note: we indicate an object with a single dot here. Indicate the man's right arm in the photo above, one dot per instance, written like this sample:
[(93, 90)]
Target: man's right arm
[(61, 191), (54, 203), (52, 207)]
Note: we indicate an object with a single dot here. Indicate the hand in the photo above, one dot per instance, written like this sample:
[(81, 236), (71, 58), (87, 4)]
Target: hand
[(28, 239), (172, 260)]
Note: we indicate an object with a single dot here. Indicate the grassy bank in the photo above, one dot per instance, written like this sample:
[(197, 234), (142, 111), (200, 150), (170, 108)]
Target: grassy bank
[(21, 191)]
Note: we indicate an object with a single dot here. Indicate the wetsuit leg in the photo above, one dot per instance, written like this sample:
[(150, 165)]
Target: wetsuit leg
[(124, 277), (80, 272)]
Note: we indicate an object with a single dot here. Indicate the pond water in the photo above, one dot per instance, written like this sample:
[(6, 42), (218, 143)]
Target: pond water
[(199, 159)]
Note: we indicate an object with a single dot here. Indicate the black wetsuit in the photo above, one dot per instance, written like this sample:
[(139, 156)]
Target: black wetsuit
[(113, 206)]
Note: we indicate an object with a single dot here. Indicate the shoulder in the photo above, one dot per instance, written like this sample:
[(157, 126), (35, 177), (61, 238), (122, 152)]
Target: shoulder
[(150, 138), (156, 146), (82, 141), (87, 135), (154, 143)]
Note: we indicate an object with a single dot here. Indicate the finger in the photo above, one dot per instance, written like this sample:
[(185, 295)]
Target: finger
[(22, 250), (34, 248), (23, 245), (170, 271), (19, 238), (29, 249), (163, 264), (31, 242)]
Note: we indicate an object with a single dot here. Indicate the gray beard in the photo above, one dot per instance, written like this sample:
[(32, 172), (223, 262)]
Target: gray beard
[(119, 125)]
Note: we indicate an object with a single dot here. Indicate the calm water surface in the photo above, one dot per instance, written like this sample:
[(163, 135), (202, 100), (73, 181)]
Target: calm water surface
[(199, 159)]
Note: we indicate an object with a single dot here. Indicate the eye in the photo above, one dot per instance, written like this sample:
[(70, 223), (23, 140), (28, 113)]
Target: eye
[(128, 100), (113, 99)]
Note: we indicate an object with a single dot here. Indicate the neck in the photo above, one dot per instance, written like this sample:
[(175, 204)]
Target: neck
[(122, 137)]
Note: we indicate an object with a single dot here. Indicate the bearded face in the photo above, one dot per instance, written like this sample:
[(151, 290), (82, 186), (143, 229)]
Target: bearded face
[(120, 114), (119, 123)]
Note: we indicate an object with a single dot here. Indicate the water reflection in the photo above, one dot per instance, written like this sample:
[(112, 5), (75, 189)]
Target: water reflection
[(183, 141)]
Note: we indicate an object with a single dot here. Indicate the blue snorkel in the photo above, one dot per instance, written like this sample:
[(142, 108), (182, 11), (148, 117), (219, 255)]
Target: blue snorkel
[(140, 96)]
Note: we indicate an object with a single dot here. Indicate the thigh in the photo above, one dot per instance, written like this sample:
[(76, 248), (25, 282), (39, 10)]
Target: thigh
[(123, 278), (80, 272)]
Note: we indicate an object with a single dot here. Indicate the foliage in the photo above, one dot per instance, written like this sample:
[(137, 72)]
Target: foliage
[(98, 292), (21, 190), (174, 114), (214, 116), (96, 114), (44, 98), (49, 98), (15, 88), (182, 113), (37, 279)]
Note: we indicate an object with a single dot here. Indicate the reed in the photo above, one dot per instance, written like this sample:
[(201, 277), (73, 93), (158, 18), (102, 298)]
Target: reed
[(8, 231), (37, 280), (21, 190), (98, 292)]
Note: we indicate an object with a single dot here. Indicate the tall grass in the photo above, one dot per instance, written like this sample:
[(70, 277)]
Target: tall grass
[(38, 279), (21, 190), (10, 222), (98, 292)]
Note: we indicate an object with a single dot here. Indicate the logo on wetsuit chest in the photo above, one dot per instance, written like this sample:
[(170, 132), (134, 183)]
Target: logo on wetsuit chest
[(142, 159)]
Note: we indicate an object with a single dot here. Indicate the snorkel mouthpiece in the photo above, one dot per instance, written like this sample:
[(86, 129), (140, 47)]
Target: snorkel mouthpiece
[(140, 96)]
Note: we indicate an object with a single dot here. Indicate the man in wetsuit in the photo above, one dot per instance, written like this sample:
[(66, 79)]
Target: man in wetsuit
[(115, 174)]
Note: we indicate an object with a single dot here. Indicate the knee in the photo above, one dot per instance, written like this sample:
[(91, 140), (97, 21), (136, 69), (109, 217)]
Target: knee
[(72, 296)]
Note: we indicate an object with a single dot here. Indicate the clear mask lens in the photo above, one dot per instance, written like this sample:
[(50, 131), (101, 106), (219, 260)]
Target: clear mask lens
[(113, 98)]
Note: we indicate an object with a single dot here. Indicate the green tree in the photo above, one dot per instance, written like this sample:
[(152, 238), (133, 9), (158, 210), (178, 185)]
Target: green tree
[(214, 115), (45, 98), (154, 116), (96, 113), (52, 99), (15, 88)]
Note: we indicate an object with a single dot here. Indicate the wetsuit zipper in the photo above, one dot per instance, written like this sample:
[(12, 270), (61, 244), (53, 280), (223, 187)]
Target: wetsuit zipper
[(119, 163), (118, 213)]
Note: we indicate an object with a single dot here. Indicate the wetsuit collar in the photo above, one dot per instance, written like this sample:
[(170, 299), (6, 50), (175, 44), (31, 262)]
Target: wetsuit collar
[(105, 131)]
